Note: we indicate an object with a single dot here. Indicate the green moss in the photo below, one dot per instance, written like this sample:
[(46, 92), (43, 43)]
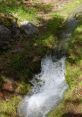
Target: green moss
[(7, 19), (8, 107), (23, 88)]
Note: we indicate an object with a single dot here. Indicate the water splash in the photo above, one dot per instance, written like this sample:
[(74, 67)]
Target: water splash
[(48, 89)]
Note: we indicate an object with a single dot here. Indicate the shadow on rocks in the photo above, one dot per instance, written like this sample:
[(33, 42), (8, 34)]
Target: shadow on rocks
[(70, 114)]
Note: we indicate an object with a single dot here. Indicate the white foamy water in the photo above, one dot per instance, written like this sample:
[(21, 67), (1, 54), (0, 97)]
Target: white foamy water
[(48, 90)]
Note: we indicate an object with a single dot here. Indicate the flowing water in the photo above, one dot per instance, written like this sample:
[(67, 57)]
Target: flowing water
[(49, 86), (48, 89)]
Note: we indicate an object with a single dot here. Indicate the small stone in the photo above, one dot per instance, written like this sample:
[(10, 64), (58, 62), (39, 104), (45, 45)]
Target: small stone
[(8, 85)]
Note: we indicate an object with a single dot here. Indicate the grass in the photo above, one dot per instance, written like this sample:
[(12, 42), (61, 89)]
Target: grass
[(19, 11), (67, 9), (73, 77), (17, 66), (8, 108), (71, 95)]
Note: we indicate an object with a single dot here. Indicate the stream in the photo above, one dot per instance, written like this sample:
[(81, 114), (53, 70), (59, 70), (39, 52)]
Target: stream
[(49, 86), (48, 89)]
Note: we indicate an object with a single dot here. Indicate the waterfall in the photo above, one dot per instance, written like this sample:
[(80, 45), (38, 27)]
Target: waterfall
[(49, 86), (48, 89)]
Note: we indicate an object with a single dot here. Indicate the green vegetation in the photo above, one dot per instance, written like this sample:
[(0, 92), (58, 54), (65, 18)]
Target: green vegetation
[(17, 9), (67, 9), (22, 12), (22, 61), (72, 98), (8, 107)]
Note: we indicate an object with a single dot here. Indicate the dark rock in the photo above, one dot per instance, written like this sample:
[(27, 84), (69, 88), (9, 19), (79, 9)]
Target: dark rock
[(5, 33), (71, 114), (5, 36), (15, 31), (10, 22), (28, 28), (9, 31)]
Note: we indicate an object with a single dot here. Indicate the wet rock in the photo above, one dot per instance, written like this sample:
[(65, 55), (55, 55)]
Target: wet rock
[(28, 28)]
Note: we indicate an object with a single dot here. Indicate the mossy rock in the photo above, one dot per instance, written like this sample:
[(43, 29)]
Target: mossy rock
[(7, 20)]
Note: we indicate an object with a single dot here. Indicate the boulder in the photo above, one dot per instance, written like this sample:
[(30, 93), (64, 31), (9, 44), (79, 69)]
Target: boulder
[(9, 30), (5, 33), (10, 22), (28, 28), (5, 36), (15, 31)]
